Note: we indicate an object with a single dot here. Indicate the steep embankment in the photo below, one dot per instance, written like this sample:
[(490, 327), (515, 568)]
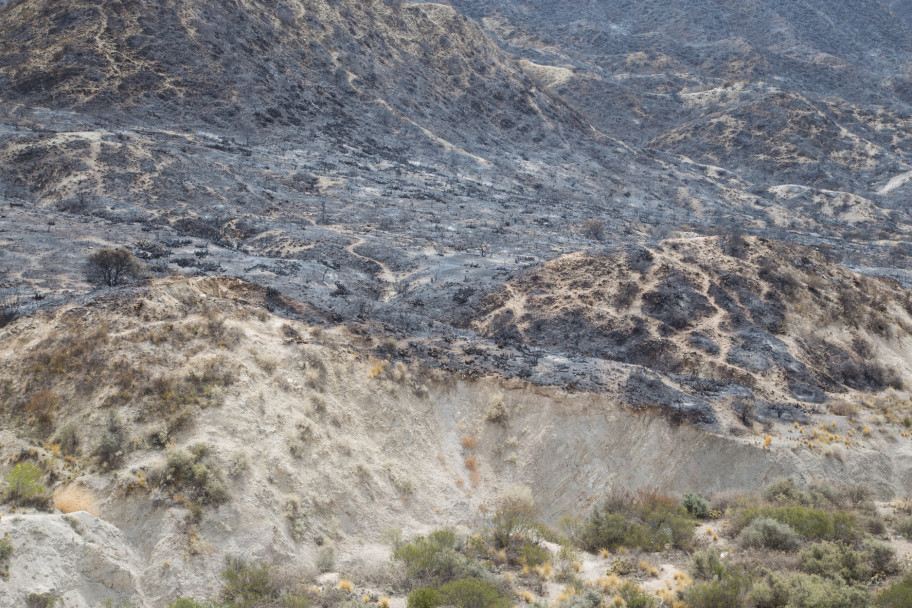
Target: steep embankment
[(206, 426)]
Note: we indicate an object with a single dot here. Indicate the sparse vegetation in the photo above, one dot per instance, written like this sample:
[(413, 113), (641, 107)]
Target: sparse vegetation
[(111, 267), (195, 474)]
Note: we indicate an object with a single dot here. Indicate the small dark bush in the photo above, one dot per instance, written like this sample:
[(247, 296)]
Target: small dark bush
[(42, 600), (835, 560), (110, 449), (195, 474), (111, 267)]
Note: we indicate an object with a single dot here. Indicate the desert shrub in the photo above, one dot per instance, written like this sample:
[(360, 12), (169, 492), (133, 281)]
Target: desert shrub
[(813, 524), (472, 593), (326, 560), (194, 473), (424, 597), (904, 527), (245, 584), (67, 437), (113, 442), (532, 554), (514, 519), (42, 600), (801, 590), (706, 565), (111, 267), (589, 598), (432, 559), (635, 596), (834, 560), (727, 591), (767, 533), (881, 557), (645, 519), (696, 505), (6, 551), (897, 595), (730, 499), (25, 486)]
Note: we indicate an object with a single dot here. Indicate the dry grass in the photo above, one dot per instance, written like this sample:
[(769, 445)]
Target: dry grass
[(471, 463), (469, 442), (73, 498)]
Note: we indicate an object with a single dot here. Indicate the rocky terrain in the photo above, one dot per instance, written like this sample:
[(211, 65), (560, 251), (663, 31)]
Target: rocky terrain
[(395, 258)]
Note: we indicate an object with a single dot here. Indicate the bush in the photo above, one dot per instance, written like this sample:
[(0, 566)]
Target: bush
[(635, 597), (696, 505), (897, 595), (432, 559), (111, 446), (513, 519), (767, 533), (111, 267), (42, 600), (904, 528), (645, 520), (706, 565), (729, 591), (196, 475), (247, 585), (881, 557), (808, 591), (813, 524), (424, 597), (189, 602), (6, 551), (24, 486), (834, 560), (67, 437), (472, 593)]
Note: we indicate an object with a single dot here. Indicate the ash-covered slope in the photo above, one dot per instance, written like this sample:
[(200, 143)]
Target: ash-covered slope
[(735, 316), (753, 87)]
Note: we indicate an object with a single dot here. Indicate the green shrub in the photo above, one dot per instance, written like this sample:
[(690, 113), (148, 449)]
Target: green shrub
[(696, 505), (904, 528), (729, 591), (813, 524), (247, 585), (532, 554), (766, 533), (808, 591), (645, 520), (432, 559), (706, 565), (196, 475), (424, 597), (6, 551), (881, 557), (834, 560), (24, 486), (472, 593), (514, 518), (897, 595)]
